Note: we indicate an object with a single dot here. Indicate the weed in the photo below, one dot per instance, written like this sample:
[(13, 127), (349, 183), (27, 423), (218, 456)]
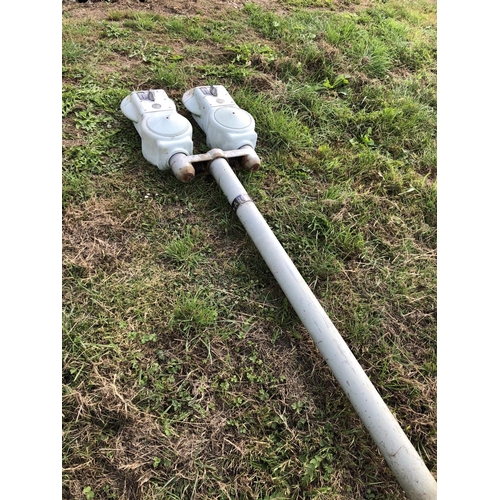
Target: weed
[(246, 53), (277, 125), (270, 25), (186, 251), (142, 21), (89, 494), (112, 30), (171, 75), (341, 29), (72, 51)]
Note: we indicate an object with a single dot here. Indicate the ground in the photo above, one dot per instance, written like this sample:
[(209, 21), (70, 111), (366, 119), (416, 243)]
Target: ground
[(98, 8), (200, 7), (110, 437)]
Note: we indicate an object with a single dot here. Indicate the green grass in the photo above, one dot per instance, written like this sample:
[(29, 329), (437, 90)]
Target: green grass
[(186, 372)]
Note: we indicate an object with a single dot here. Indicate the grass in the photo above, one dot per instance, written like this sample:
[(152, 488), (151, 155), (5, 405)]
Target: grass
[(186, 373)]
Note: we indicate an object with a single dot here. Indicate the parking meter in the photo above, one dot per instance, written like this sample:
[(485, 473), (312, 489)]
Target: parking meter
[(166, 135), (225, 124)]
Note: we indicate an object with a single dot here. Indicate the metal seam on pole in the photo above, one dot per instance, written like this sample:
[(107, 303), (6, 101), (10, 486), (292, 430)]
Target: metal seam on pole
[(239, 200)]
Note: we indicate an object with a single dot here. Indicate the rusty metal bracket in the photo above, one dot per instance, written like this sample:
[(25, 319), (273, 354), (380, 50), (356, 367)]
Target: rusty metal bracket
[(245, 157)]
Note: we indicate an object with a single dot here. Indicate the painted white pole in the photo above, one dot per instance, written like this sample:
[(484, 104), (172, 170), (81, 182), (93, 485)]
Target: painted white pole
[(406, 464)]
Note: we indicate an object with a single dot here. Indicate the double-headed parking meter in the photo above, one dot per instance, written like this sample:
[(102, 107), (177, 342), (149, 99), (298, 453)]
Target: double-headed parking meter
[(166, 135)]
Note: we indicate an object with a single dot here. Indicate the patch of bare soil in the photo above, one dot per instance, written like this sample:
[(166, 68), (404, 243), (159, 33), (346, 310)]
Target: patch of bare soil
[(98, 8)]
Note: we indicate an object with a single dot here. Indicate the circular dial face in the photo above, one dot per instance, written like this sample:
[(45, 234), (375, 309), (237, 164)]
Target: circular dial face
[(230, 117), (168, 125)]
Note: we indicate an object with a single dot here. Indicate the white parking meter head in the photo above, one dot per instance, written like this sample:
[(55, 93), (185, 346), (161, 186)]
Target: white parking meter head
[(166, 135), (225, 124)]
